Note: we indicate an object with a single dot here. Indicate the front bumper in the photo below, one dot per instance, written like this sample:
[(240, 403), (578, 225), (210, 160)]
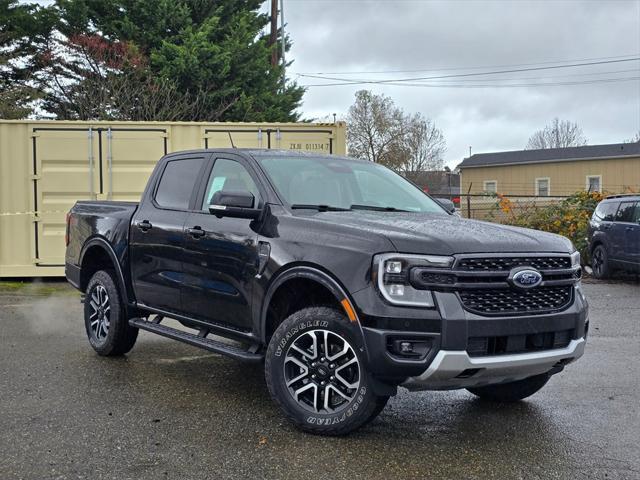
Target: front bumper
[(456, 369), (450, 334)]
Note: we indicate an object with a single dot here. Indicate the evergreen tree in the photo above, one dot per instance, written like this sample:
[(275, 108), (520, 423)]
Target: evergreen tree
[(211, 57)]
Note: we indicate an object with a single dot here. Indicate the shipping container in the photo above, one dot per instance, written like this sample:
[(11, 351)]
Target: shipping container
[(46, 166)]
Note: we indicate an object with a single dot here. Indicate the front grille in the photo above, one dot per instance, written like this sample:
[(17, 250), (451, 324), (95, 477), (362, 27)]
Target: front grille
[(503, 264), (501, 301), (513, 344)]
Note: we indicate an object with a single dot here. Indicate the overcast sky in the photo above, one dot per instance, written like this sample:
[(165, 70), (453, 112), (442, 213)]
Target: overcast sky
[(332, 37)]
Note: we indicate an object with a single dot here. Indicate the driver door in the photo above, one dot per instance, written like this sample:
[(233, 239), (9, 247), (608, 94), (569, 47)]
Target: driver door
[(221, 254)]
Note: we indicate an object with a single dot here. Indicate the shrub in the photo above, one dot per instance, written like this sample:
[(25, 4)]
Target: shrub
[(570, 217)]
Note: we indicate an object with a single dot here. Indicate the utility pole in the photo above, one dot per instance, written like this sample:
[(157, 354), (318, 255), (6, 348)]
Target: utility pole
[(273, 34), (283, 39)]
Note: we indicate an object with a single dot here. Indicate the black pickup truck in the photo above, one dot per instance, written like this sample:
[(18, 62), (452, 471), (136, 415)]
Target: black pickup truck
[(344, 278)]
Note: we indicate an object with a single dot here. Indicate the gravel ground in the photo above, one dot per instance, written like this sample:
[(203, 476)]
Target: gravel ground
[(169, 410)]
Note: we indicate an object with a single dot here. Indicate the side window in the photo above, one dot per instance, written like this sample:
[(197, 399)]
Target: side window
[(177, 183), (636, 216), (490, 186), (626, 212), (594, 183), (542, 187), (229, 175)]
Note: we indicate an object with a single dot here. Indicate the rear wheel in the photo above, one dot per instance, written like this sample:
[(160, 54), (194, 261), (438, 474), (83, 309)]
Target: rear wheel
[(316, 374), (600, 262), (513, 391), (105, 318)]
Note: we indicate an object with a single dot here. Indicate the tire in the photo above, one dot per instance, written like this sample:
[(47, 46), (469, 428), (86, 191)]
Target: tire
[(382, 402), (600, 262), (320, 393), (105, 318), (513, 391)]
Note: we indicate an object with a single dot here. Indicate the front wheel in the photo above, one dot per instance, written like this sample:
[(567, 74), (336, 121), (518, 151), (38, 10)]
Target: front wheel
[(600, 262), (105, 318), (512, 391), (316, 374)]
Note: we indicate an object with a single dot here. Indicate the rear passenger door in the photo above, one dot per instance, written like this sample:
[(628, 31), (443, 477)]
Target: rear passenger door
[(620, 230), (157, 234)]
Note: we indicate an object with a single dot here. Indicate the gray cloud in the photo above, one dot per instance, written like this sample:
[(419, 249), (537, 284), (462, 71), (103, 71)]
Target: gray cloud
[(357, 35)]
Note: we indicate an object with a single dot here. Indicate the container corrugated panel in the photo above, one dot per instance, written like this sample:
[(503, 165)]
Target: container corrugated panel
[(46, 166)]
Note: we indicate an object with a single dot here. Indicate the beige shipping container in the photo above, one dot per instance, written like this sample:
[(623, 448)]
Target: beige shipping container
[(46, 166)]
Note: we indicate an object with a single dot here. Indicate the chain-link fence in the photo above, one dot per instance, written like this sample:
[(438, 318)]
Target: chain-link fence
[(497, 207)]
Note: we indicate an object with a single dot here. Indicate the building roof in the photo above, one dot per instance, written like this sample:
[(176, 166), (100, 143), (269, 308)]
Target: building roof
[(587, 152), (436, 182)]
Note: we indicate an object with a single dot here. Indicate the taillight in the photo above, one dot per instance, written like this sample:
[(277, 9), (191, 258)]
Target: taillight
[(66, 232)]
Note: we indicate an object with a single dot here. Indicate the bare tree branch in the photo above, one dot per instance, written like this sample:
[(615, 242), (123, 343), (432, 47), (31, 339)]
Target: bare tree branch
[(558, 134)]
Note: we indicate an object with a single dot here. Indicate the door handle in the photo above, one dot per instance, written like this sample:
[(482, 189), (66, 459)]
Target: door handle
[(196, 232), (607, 226), (144, 225), (628, 229)]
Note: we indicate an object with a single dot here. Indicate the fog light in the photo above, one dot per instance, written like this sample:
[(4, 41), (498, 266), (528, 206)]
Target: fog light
[(406, 347), (396, 290), (393, 267)]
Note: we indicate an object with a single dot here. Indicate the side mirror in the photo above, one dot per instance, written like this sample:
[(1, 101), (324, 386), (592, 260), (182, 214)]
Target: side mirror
[(446, 204), (233, 203)]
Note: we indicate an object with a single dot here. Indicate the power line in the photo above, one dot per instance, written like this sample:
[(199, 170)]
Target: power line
[(554, 77), (445, 69), (342, 81), (454, 85)]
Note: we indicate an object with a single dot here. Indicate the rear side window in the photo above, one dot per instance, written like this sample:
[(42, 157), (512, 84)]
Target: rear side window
[(177, 183), (606, 211), (626, 212)]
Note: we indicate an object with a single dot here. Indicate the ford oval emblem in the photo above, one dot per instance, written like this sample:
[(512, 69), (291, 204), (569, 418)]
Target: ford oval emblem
[(526, 278)]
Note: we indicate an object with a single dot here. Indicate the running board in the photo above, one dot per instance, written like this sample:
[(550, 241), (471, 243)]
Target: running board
[(198, 341)]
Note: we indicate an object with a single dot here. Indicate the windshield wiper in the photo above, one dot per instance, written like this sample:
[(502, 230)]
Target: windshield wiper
[(375, 208), (320, 208)]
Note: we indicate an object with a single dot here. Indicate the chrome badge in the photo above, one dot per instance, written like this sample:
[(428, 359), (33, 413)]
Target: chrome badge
[(525, 278)]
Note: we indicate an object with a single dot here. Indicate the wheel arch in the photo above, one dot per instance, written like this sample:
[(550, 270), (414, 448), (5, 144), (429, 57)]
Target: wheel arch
[(100, 253), (311, 273)]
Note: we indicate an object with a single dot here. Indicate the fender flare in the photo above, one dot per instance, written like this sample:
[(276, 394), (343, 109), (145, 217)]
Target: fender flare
[(317, 275), (106, 246)]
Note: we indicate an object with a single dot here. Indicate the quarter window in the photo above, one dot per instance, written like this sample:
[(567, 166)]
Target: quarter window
[(232, 176), (177, 183)]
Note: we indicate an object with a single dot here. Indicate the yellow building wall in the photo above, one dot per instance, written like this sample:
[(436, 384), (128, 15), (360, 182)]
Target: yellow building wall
[(618, 176), (46, 166)]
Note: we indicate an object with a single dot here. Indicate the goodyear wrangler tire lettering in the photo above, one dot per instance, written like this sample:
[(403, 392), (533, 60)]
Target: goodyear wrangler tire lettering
[(316, 374)]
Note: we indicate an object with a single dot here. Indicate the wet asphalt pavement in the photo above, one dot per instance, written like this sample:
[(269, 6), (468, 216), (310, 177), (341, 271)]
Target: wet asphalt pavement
[(169, 410)]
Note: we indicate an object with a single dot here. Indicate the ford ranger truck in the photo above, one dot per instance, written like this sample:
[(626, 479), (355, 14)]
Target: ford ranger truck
[(344, 279)]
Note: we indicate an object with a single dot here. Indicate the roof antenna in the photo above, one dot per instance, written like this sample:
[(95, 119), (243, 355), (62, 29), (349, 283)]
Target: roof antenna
[(231, 140)]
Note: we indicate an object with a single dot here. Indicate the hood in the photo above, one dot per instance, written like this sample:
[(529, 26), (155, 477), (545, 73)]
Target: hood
[(438, 234)]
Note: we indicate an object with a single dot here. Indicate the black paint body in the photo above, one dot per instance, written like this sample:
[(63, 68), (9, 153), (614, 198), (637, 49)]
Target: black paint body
[(220, 280)]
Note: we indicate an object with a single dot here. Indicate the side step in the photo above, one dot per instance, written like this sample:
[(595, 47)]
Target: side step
[(197, 340)]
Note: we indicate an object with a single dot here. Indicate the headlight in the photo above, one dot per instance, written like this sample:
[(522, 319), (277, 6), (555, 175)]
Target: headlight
[(391, 273), (575, 259)]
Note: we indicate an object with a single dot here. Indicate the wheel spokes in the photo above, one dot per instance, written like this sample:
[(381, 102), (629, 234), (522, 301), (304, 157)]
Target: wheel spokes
[(321, 371)]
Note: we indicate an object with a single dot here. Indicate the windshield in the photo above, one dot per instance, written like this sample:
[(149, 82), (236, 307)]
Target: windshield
[(305, 182)]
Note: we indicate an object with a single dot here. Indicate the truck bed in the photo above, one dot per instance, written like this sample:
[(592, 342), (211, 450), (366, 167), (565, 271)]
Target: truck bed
[(107, 220)]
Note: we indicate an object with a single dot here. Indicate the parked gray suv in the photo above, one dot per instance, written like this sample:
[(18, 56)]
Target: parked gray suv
[(614, 235)]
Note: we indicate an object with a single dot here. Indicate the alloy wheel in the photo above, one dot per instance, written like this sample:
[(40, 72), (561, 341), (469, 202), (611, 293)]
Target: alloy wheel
[(598, 261), (322, 371), (99, 317)]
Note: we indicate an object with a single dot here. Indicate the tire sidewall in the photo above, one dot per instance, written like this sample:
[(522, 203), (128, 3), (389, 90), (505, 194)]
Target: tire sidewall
[(115, 314), (346, 419), (605, 262)]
